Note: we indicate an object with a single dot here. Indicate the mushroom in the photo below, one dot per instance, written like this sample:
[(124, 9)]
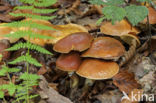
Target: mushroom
[(94, 69), (105, 48), (69, 62), (127, 33), (79, 41)]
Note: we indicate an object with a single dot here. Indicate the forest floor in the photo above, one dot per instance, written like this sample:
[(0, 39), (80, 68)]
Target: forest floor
[(54, 87)]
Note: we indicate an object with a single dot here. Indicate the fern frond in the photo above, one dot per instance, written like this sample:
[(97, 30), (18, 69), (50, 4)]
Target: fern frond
[(29, 23), (45, 3), (27, 33), (29, 77), (10, 87), (5, 70), (1, 94), (27, 1), (40, 3), (36, 10), (29, 46), (32, 16), (26, 58)]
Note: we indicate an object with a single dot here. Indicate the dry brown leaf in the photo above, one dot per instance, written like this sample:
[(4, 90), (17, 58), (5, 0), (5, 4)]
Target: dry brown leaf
[(125, 81), (53, 85), (3, 81), (42, 70), (152, 16), (112, 96), (50, 94), (71, 4)]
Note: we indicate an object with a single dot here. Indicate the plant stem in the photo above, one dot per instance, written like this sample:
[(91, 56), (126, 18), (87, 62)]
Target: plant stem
[(4, 100), (28, 73)]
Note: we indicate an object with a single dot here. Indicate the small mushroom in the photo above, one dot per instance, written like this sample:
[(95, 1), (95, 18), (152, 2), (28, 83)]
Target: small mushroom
[(94, 69), (79, 41), (69, 62), (105, 48)]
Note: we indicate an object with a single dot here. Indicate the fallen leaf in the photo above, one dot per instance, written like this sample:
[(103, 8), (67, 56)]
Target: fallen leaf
[(125, 81), (50, 94), (42, 70)]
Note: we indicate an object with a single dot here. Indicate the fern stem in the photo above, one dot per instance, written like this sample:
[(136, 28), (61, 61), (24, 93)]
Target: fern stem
[(9, 77), (28, 71)]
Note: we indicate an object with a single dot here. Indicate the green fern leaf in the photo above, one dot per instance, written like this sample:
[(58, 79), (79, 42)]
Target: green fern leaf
[(114, 13), (1, 94), (26, 58), (29, 23), (25, 76), (136, 14), (10, 87), (35, 10), (45, 3), (28, 33), (5, 70), (32, 16), (27, 1), (30, 46), (40, 3)]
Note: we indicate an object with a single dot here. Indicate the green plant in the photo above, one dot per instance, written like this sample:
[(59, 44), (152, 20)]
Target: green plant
[(116, 10), (21, 91)]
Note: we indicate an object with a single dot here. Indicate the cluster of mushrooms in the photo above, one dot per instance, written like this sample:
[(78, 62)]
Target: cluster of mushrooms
[(94, 58)]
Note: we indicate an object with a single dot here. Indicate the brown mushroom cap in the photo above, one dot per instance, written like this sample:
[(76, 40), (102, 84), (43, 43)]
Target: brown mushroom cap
[(151, 15), (118, 29), (97, 69), (79, 41), (68, 62), (105, 48)]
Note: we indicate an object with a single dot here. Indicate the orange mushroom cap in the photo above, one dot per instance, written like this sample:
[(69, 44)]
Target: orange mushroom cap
[(97, 69), (79, 41), (151, 15), (118, 29), (105, 48), (68, 62)]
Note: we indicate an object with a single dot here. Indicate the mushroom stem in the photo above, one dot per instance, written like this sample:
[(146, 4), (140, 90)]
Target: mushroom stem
[(130, 53), (74, 80), (87, 85)]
